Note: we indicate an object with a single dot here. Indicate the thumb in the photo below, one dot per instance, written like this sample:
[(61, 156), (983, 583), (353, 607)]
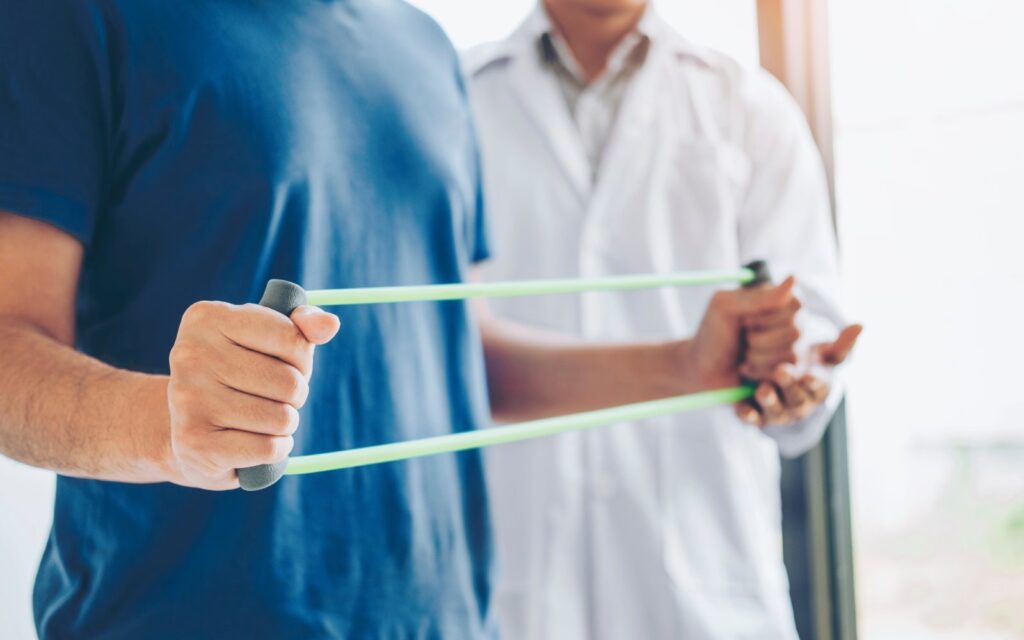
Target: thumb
[(762, 299), (834, 353), (317, 325)]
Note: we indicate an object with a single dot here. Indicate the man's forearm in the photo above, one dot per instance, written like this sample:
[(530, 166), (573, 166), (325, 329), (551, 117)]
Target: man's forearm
[(65, 411), (533, 374)]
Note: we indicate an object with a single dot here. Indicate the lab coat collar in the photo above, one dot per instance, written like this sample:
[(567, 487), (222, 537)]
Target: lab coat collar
[(540, 95), (557, 51), (539, 92)]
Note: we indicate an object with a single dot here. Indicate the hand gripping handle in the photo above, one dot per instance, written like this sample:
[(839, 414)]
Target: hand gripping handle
[(281, 296)]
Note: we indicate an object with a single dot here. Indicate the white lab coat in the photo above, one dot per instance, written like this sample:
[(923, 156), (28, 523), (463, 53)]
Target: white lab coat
[(671, 528)]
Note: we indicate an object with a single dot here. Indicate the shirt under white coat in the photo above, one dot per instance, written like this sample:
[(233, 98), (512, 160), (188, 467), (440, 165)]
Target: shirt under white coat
[(670, 528)]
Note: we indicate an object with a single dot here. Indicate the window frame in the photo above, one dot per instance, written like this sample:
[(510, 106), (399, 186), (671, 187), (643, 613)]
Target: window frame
[(817, 521)]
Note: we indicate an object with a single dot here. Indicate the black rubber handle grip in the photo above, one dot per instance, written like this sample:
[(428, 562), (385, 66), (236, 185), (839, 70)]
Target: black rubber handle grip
[(761, 273), (281, 296), (761, 276)]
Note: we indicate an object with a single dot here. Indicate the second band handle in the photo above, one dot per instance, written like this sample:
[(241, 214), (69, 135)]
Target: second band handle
[(284, 297), (761, 273)]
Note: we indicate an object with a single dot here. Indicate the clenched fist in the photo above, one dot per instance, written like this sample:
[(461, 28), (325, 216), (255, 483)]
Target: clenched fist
[(726, 347), (239, 375)]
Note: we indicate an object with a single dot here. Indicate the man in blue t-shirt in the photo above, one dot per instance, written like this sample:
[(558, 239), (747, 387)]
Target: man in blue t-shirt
[(154, 154)]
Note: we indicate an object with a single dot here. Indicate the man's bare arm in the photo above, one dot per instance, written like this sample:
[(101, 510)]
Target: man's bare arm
[(533, 373), (239, 374), (60, 409)]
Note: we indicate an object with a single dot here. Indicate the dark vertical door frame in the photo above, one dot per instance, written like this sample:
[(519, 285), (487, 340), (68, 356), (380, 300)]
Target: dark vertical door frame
[(793, 46)]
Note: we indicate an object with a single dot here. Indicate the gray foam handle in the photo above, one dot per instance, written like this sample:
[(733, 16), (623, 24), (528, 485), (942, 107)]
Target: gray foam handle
[(281, 296)]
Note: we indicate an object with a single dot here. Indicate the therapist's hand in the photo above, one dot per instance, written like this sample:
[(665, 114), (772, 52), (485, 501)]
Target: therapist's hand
[(784, 398), (239, 375), (744, 333)]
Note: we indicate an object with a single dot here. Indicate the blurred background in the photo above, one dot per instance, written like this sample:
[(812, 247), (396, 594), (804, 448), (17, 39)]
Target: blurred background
[(913, 526)]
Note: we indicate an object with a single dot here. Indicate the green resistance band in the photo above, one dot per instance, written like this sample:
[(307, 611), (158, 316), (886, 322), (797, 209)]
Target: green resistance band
[(284, 297), (462, 441), (463, 291)]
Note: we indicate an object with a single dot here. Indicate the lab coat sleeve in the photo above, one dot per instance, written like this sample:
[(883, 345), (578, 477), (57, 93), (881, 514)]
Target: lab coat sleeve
[(785, 218)]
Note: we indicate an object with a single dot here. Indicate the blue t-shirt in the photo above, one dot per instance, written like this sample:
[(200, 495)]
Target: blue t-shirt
[(197, 149)]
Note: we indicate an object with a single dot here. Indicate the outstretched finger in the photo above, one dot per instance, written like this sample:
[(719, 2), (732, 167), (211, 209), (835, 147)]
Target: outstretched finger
[(834, 353)]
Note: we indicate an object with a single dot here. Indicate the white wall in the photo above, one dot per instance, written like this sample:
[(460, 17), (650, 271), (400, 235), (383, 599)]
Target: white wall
[(929, 113), (26, 503)]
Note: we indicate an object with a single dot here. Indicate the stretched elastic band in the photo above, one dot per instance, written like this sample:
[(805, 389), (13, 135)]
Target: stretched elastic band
[(478, 438)]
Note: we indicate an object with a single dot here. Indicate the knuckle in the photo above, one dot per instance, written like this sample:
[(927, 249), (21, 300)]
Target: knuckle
[(182, 400), (202, 312), (175, 392), (185, 439), (293, 421), (184, 356), (294, 386), (282, 447), (275, 448), (285, 420)]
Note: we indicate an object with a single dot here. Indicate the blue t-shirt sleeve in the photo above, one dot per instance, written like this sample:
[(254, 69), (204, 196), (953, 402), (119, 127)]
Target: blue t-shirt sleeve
[(480, 248), (477, 233), (54, 105)]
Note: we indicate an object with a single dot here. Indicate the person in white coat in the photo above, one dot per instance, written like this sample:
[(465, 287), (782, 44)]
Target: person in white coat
[(612, 145)]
